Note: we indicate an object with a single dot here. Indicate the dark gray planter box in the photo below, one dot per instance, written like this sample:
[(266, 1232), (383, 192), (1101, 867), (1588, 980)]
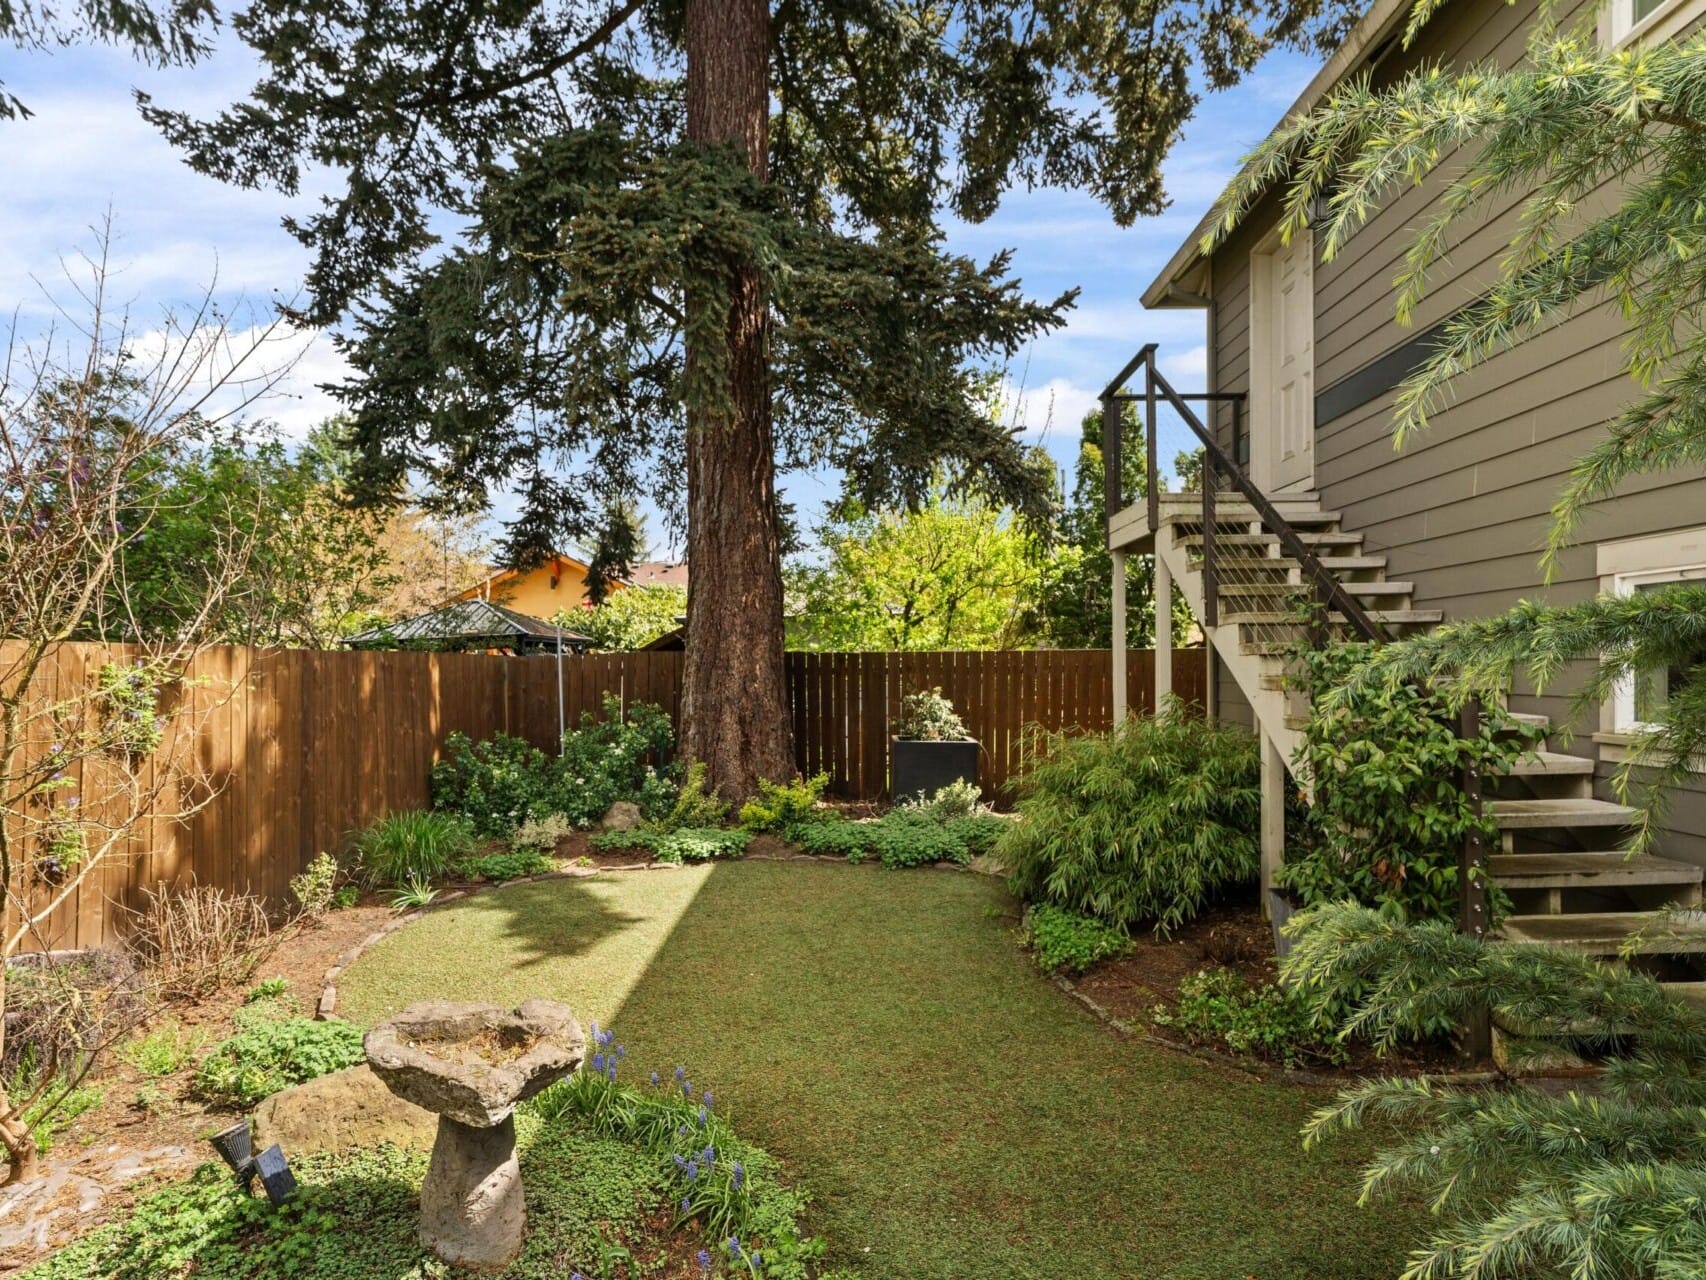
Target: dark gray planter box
[(924, 768)]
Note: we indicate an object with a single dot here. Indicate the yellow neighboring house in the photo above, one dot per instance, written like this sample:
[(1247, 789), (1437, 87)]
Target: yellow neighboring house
[(539, 592)]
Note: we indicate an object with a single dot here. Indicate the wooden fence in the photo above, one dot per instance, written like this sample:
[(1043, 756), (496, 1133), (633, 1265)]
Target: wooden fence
[(302, 747)]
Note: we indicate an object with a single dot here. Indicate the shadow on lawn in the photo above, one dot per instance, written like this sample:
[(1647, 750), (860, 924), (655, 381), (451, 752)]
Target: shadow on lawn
[(547, 920)]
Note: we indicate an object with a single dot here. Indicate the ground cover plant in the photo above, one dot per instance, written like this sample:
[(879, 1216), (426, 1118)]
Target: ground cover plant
[(1220, 1007), (273, 1048), (884, 1037), (902, 837), (498, 867), (1143, 825), (502, 782), (679, 844), (1064, 940)]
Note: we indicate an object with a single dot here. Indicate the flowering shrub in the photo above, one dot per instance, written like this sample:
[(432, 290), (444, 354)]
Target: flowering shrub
[(129, 701), (684, 844), (729, 1189), (502, 782), (929, 717)]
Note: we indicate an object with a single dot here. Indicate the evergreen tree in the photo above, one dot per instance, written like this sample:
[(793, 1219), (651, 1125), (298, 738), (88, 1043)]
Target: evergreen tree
[(163, 35), (700, 238)]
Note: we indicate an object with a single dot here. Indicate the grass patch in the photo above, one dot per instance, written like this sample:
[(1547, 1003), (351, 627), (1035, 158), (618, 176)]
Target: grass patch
[(886, 1037)]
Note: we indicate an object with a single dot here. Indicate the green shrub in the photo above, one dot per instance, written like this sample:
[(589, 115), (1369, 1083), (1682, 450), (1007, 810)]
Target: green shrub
[(267, 989), (416, 843), (687, 844), (1388, 817), (346, 897), (960, 799), (541, 836), (1601, 1183), (1066, 940), (1217, 1006), (501, 782), (269, 1053), (781, 805), (315, 889), (1142, 825), (903, 837), (498, 867), (695, 806), (414, 893)]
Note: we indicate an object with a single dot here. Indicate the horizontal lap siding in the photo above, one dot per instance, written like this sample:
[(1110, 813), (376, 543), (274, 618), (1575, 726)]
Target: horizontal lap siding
[(1464, 509)]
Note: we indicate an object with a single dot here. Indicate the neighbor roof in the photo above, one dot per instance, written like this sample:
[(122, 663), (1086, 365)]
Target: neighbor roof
[(471, 624), (1183, 282), (659, 573)]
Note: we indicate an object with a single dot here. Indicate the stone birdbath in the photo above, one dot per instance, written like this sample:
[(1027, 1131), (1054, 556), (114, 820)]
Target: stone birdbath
[(471, 1064)]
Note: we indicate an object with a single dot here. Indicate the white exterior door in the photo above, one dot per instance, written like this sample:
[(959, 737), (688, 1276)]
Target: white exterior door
[(1282, 365)]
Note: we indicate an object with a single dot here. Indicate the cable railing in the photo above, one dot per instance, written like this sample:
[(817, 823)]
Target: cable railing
[(1238, 565)]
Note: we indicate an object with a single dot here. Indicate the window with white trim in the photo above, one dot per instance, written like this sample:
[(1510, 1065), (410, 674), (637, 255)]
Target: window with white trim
[(1627, 21), (1639, 700)]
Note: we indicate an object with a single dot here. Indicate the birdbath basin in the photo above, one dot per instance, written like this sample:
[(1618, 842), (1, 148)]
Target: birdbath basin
[(471, 1064)]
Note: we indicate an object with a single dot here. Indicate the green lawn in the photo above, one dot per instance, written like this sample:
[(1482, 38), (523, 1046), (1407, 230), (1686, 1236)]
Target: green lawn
[(882, 1032)]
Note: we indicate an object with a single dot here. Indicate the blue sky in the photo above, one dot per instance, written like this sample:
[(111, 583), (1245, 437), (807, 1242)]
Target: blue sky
[(86, 151)]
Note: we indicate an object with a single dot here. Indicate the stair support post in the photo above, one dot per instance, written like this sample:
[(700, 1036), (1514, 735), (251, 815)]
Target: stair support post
[(1163, 579), (1472, 878), (1273, 818), (1118, 639)]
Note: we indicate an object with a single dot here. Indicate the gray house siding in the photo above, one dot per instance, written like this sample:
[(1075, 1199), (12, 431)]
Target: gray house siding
[(1463, 509)]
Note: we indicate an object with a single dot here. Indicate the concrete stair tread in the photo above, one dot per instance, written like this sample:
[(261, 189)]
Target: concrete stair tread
[(1551, 763), (1611, 933), (1588, 870), (1512, 815)]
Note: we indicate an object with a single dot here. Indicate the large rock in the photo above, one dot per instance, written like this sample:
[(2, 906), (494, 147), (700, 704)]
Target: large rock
[(346, 1110), (624, 815), (472, 1208), (473, 1062)]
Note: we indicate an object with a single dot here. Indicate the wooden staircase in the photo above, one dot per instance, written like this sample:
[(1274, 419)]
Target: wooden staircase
[(1562, 855)]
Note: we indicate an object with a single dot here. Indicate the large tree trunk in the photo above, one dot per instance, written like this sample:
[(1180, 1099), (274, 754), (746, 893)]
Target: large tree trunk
[(734, 709)]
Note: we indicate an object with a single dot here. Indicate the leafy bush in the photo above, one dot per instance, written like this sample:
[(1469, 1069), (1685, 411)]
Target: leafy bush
[(1601, 1184), (929, 717), (500, 783), (541, 836), (498, 867), (1144, 824), (1066, 940), (1389, 817), (267, 989), (903, 837), (315, 889), (781, 805), (1217, 1006), (961, 799), (269, 1053), (414, 893), (415, 843), (695, 806), (685, 844)]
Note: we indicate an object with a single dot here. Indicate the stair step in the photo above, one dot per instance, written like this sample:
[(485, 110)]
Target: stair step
[(1613, 933), (1551, 764), (1394, 617), (1243, 512), (1521, 815), (1690, 993), (1292, 588), (1309, 538), (1607, 868)]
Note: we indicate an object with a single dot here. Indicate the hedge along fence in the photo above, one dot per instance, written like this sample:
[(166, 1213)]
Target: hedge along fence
[(302, 747)]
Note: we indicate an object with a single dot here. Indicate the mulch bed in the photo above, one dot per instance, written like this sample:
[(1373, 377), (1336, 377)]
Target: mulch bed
[(1232, 934)]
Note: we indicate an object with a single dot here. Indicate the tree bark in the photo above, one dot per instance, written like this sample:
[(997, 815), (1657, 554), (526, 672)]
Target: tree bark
[(734, 707)]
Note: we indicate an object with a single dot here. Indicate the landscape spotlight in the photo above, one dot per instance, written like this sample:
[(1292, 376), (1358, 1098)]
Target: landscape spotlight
[(235, 1148)]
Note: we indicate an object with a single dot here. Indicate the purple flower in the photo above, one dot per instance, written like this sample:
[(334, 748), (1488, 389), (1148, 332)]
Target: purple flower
[(704, 1259), (756, 1261), (681, 1073), (704, 1116), (680, 1160), (621, 1051), (687, 1088), (686, 1207), (740, 1175), (734, 1245), (707, 1097), (598, 1063), (654, 1079), (709, 1156), (610, 1069), (692, 1170)]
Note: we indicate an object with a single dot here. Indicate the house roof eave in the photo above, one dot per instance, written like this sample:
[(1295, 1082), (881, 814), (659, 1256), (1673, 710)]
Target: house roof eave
[(1180, 279)]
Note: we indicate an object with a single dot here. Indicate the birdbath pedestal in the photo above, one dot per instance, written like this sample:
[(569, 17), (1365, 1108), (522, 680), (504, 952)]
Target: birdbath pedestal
[(471, 1064)]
